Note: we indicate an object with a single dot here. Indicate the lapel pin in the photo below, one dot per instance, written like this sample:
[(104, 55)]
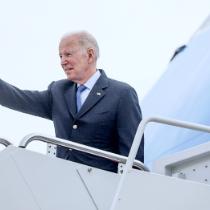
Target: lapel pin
[(98, 93)]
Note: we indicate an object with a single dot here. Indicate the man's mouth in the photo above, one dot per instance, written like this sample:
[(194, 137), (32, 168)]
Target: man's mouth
[(68, 69)]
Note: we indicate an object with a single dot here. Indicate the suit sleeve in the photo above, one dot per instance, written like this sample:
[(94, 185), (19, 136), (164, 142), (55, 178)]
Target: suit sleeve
[(128, 118), (36, 103)]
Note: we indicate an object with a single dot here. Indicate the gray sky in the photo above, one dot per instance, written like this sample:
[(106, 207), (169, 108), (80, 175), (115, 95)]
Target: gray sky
[(136, 39)]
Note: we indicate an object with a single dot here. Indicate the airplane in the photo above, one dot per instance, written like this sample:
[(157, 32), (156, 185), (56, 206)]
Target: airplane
[(176, 172), (180, 93)]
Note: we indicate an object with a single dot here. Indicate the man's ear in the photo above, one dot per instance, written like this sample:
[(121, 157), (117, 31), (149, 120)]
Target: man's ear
[(91, 55)]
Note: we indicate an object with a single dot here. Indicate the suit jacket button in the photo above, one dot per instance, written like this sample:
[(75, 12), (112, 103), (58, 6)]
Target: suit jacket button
[(75, 126)]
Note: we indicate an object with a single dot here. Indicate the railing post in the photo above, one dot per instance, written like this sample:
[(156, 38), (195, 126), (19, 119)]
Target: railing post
[(137, 141)]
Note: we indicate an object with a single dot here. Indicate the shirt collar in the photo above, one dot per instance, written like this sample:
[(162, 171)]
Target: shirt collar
[(92, 80)]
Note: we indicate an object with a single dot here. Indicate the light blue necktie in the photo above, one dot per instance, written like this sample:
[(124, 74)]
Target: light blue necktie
[(80, 89)]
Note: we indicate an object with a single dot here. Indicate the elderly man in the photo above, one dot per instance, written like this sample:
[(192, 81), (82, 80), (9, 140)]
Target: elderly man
[(87, 107)]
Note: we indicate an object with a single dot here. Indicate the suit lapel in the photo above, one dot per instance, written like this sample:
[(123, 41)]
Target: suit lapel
[(70, 99), (96, 94)]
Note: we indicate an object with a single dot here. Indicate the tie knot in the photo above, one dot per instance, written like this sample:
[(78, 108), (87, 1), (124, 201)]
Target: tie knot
[(81, 88)]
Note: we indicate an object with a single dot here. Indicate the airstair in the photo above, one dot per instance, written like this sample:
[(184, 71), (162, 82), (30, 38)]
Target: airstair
[(33, 181)]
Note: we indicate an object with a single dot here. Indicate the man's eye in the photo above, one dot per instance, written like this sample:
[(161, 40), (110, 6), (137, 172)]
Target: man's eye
[(68, 54)]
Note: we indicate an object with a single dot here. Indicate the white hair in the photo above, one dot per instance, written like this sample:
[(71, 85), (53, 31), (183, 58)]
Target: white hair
[(86, 40)]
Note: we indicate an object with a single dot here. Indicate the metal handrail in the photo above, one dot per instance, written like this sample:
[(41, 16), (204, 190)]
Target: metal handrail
[(80, 147), (137, 142), (5, 142)]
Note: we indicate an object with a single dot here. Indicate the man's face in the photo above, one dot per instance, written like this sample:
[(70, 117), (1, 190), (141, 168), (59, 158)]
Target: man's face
[(74, 59)]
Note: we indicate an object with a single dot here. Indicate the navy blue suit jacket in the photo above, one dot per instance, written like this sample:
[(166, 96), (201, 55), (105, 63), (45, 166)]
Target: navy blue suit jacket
[(107, 120)]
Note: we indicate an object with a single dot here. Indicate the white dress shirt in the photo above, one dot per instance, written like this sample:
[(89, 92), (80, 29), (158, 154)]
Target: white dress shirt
[(89, 85)]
